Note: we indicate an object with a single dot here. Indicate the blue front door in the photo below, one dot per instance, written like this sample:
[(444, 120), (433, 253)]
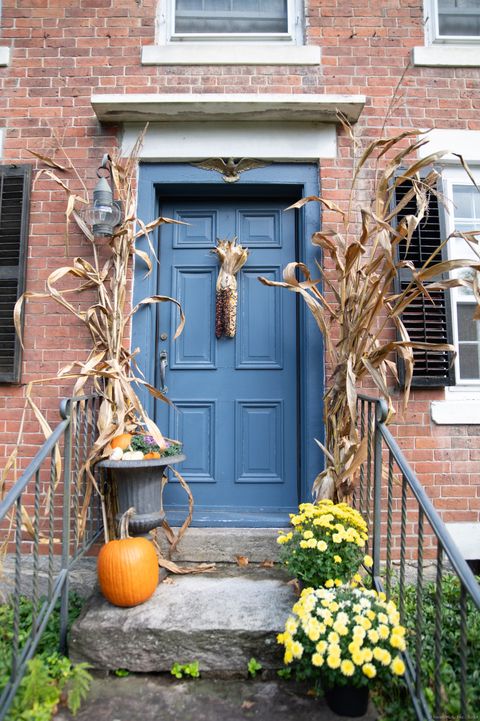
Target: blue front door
[(235, 400)]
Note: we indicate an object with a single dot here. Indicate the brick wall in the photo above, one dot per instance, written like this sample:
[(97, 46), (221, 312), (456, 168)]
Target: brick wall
[(64, 51)]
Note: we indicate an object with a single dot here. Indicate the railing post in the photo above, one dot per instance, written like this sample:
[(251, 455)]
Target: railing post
[(381, 411), (66, 412)]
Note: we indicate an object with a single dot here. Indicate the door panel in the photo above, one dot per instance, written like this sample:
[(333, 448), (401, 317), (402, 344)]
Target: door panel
[(235, 399)]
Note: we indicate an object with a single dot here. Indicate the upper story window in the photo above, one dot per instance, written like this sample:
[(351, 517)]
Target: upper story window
[(454, 20), (217, 20), (238, 17)]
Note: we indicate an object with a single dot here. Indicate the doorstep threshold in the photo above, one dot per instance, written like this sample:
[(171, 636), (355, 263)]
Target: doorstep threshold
[(230, 518)]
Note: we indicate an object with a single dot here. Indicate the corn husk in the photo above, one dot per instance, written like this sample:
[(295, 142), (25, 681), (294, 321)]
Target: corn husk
[(232, 257)]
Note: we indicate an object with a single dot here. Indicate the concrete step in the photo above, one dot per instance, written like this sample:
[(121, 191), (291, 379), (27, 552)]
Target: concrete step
[(220, 619), (221, 545)]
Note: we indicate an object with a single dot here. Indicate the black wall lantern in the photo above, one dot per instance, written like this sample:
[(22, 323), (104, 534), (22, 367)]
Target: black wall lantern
[(105, 213)]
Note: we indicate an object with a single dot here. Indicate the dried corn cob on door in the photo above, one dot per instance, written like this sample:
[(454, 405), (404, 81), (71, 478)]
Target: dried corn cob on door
[(235, 395)]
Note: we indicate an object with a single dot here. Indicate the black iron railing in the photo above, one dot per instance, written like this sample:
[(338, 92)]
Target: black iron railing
[(412, 553), (51, 519)]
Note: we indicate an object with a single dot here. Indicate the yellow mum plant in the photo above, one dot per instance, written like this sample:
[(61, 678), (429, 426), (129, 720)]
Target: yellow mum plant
[(343, 636), (326, 545)]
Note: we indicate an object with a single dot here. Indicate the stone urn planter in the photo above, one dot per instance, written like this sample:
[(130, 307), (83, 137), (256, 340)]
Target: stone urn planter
[(139, 484)]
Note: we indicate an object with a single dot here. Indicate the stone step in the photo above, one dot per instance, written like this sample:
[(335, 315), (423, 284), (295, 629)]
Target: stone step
[(221, 619), (222, 545), (160, 698)]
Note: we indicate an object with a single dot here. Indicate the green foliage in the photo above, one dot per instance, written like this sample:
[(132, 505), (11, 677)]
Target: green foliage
[(147, 444), (326, 545), (78, 685), (285, 673), (253, 667), (179, 670), (50, 678), (392, 700), (121, 672)]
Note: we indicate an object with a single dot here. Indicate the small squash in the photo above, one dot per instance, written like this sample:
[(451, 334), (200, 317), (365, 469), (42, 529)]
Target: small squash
[(122, 441), (132, 456), (127, 568), (150, 456)]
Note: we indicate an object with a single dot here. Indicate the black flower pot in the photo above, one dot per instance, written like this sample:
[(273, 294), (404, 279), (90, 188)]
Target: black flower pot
[(348, 700), (139, 485)]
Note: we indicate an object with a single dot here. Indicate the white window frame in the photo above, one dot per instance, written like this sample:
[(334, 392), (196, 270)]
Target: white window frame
[(166, 29), (452, 176), (4, 50), (432, 29)]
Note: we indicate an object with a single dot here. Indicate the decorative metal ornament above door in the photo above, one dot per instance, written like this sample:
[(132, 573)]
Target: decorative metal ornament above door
[(231, 168)]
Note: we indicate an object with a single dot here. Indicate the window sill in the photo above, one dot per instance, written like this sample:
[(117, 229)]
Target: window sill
[(4, 56), (230, 54), (456, 412), (467, 537), (447, 56)]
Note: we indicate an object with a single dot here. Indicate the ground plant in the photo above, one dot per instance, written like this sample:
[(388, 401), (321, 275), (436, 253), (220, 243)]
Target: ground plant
[(326, 545), (392, 698), (51, 680), (343, 636), (253, 667), (189, 670)]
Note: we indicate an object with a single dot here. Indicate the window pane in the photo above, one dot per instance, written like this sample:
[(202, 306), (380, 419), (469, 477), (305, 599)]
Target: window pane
[(459, 17), (467, 327), (468, 357), (231, 16), (463, 200)]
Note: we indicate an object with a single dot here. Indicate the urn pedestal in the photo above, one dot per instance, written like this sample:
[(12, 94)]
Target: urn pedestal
[(139, 484)]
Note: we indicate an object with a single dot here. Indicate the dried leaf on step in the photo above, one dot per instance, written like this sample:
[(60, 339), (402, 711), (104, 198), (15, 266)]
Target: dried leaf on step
[(247, 705), (183, 570), (168, 581), (267, 564), (241, 560), (295, 585)]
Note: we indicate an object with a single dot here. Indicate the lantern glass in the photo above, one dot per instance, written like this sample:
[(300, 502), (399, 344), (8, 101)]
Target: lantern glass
[(100, 213)]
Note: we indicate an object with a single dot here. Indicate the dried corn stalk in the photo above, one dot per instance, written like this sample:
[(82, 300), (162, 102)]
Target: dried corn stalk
[(361, 304), (110, 366), (232, 258)]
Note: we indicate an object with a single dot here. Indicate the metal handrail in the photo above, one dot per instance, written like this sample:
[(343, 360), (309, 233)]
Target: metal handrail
[(35, 464), (370, 496), (77, 430)]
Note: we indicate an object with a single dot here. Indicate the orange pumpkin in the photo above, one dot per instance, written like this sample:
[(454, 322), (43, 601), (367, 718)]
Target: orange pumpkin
[(150, 456), (122, 441), (128, 568)]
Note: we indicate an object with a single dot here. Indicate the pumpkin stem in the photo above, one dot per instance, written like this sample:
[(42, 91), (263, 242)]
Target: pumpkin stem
[(124, 523)]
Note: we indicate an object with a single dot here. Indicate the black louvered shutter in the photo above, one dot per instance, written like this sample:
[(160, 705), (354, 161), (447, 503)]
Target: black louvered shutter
[(15, 182), (427, 321)]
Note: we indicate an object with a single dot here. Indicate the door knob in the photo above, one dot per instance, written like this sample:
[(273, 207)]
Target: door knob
[(163, 370)]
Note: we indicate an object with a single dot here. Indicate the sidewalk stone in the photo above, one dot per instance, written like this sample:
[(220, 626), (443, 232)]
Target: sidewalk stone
[(157, 698)]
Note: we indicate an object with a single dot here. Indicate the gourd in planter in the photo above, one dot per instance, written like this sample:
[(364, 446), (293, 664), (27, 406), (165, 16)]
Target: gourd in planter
[(127, 568)]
